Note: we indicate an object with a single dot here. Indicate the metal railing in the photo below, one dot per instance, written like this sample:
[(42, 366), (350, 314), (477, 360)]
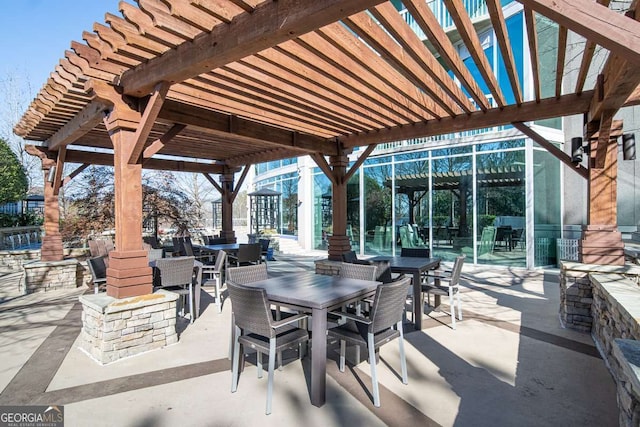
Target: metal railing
[(475, 8)]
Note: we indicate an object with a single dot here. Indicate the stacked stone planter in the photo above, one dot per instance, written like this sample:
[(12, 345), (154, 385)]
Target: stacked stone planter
[(42, 276), (113, 329), (328, 267)]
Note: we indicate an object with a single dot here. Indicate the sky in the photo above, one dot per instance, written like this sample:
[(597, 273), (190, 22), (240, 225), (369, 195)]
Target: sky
[(34, 34)]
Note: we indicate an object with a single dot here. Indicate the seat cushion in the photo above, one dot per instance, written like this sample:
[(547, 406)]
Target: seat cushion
[(289, 337), (356, 333)]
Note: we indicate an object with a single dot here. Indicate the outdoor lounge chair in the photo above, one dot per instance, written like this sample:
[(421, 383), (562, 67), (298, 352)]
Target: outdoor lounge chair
[(452, 278), (255, 328), (377, 329)]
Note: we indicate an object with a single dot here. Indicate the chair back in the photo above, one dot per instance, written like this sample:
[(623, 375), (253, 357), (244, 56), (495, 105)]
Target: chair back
[(216, 241), (98, 268), (155, 254), (457, 270), (175, 271), (415, 252), (248, 274), (251, 309), (188, 247), (221, 256), (349, 257), (249, 252), (358, 271), (383, 272), (264, 245), (487, 240), (388, 304), (178, 246)]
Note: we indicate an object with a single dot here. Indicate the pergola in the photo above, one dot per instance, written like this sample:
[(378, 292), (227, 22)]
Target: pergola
[(213, 86)]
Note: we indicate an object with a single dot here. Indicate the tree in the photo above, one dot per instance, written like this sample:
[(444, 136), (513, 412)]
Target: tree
[(12, 175)]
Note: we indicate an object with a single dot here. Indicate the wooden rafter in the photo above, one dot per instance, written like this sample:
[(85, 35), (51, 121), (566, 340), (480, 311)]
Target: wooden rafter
[(57, 179), (431, 27), (363, 156), (270, 24), (83, 122), (528, 111), (324, 167), (532, 37), (562, 51), (213, 182), (472, 41), (77, 171), (238, 185), (500, 29), (552, 149)]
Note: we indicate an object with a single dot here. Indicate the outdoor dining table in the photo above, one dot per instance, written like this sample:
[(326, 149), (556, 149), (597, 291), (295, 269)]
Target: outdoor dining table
[(318, 294), (414, 266), (227, 247)]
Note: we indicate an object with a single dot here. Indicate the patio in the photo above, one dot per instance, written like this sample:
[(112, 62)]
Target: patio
[(508, 363)]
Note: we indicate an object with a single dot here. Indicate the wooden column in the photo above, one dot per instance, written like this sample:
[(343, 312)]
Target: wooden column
[(129, 273), (601, 241), (227, 197), (51, 249), (339, 242)]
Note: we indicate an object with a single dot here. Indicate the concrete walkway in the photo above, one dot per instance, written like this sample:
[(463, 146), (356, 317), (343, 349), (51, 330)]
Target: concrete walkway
[(509, 363)]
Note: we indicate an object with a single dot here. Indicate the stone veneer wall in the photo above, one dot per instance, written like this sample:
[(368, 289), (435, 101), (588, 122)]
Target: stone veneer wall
[(42, 276), (13, 260), (113, 329), (328, 267), (576, 296), (616, 306)]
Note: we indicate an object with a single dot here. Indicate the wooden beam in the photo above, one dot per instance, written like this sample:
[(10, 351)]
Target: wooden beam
[(324, 167), (147, 120), (213, 182), (528, 111), (609, 29), (106, 159), (238, 184), (75, 173), (218, 123), (270, 23), (159, 143), (435, 33), (604, 139), (88, 118), (57, 180), (474, 46), (532, 36), (359, 162), (552, 149), (502, 35)]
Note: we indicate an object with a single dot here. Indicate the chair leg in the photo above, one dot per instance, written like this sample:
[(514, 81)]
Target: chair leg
[(459, 305), (452, 309), (236, 357), (218, 296), (272, 363), (403, 361), (190, 303), (343, 350), (374, 373), (232, 339), (259, 364)]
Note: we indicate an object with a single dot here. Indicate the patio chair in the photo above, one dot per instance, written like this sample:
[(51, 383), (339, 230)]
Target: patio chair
[(415, 252), (377, 329), (98, 271), (358, 271), (255, 328), (264, 248), (248, 254), (177, 275), (155, 254), (178, 246), (214, 273), (352, 258), (452, 278)]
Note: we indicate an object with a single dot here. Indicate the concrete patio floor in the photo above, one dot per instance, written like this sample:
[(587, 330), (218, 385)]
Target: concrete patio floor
[(509, 363)]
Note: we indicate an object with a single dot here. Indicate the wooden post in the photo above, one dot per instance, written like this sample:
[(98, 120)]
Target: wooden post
[(129, 273), (601, 241), (227, 196), (338, 241)]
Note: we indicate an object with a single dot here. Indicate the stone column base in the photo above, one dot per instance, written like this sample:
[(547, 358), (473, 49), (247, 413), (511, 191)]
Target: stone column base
[(40, 276), (113, 329), (328, 267)]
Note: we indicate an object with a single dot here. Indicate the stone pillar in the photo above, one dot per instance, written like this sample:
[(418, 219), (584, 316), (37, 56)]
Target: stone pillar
[(129, 273), (114, 329), (226, 182), (601, 241), (339, 242)]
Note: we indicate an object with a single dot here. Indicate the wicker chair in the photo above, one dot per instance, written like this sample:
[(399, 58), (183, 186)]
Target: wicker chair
[(260, 332), (452, 289), (177, 275), (248, 254), (415, 252), (155, 254), (376, 329), (214, 273), (98, 271), (358, 271)]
